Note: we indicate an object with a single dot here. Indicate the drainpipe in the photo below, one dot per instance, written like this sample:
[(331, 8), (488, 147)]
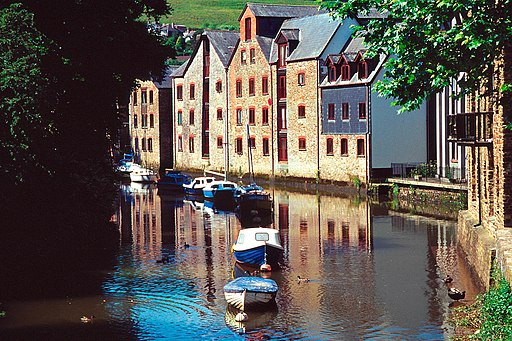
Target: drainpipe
[(318, 114), (271, 105), (226, 128), (368, 135), (173, 141)]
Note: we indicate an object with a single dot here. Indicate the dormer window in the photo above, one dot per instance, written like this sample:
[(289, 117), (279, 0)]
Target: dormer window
[(345, 72), (332, 73), (282, 55), (362, 70)]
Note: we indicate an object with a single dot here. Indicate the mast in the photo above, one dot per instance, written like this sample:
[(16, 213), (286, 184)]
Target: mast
[(249, 154)]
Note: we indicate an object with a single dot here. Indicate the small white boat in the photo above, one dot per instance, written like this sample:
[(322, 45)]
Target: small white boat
[(143, 175), (250, 292), (221, 193), (258, 246), (197, 185)]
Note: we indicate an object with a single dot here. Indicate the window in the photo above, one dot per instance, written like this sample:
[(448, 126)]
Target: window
[(218, 86), (282, 118), (344, 147), (252, 116), (143, 97), (180, 143), (239, 146), (179, 92), (344, 111), (282, 53), (330, 112), (264, 85), (219, 114), (251, 86), (252, 56), (264, 116), (239, 116), (238, 88), (301, 79), (266, 149), (219, 141), (360, 147), (330, 146), (191, 117), (151, 120), (151, 97), (243, 57), (135, 121), (136, 143), (135, 98), (144, 118), (332, 73), (362, 110), (180, 117), (191, 144), (281, 87), (252, 142), (247, 28), (302, 111), (143, 144), (150, 144), (362, 70), (302, 143), (345, 72), (192, 91)]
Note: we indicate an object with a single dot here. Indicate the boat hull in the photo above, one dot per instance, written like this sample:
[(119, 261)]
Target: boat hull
[(141, 177), (250, 292), (265, 254)]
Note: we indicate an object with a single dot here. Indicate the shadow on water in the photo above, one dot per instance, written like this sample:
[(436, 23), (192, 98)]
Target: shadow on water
[(374, 273)]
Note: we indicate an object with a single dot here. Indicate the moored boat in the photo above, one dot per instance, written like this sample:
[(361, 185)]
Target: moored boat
[(250, 292), (143, 175), (258, 246), (196, 186), (173, 180), (221, 193), (254, 205)]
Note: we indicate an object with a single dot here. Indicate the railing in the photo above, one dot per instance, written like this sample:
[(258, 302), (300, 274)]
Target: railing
[(471, 128), (428, 172)]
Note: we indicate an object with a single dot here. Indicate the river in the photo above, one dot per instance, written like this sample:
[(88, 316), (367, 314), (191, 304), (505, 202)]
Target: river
[(373, 274)]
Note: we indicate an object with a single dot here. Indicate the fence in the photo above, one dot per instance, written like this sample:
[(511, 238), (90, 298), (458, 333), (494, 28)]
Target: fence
[(428, 171)]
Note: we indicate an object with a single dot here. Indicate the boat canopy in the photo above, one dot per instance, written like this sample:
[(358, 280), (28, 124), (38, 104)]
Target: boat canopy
[(251, 284)]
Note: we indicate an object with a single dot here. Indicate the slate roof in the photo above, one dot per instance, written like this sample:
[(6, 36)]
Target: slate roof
[(180, 71), (224, 43), (280, 11), (290, 34), (265, 45), (355, 45), (315, 32)]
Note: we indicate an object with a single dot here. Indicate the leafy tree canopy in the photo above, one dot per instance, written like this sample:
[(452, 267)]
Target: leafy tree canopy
[(432, 42)]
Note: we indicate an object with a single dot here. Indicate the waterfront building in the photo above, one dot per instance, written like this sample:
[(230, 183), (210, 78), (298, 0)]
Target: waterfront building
[(362, 135), (150, 122), (201, 103)]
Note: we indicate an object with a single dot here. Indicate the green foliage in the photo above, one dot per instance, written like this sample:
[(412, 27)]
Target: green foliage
[(431, 43)]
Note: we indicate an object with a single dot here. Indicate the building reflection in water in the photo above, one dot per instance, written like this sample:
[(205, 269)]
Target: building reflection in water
[(373, 273)]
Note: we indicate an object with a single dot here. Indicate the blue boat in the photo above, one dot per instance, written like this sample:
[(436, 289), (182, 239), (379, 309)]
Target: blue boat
[(250, 292), (196, 186), (254, 205), (173, 180), (260, 246)]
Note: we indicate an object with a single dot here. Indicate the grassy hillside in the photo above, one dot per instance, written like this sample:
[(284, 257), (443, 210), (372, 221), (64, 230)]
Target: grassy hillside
[(217, 13)]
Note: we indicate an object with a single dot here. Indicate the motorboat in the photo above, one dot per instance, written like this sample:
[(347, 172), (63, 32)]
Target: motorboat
[(260, 246), (250, 292), (173, 180), (196, 186), (254, 204), (221, 193), (143, 175)]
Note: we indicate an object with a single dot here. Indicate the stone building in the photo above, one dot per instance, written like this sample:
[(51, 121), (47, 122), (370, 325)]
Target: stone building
[(201, 103), (361, 133), (251, 87), (150, 122), (297, 59)]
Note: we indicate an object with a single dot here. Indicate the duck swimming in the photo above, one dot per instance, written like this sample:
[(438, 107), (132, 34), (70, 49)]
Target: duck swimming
[(456, 294), (305, 280), (87, 319)]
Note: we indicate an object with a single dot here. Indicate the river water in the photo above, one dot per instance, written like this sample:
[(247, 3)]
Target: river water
[(375, 274)]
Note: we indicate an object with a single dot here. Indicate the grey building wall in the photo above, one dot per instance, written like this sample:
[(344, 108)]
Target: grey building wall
[(351, 95)]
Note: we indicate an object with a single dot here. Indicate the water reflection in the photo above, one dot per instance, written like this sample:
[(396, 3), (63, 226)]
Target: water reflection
[(373, 273)]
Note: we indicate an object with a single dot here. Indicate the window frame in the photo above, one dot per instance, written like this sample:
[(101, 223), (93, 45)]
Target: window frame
[(239, 146), (360, 147), (179, 117), (192, 91), (362, 111), (252, 116), (265, 142), (344, 146), (301, 111), (302, 143), (301, 78), (191, 117), (331, 112), (264, 85), (345, 111), (238, 88), (264, 116), (239, 116), (179, 92), (191, 148), (329, 146), (220, 114), (252, 86), (220, 142)]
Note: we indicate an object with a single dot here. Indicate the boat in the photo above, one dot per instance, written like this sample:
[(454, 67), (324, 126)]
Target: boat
[(143, 175), (254, 205), (250, 292), (173, 180), (196, 186), (260, 246), (221, 193)]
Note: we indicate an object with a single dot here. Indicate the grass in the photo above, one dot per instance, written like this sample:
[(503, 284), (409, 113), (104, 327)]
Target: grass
[(221, 14)]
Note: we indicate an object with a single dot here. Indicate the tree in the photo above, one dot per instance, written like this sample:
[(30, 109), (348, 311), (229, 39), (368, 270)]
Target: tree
[(433, 42), (65, 66)]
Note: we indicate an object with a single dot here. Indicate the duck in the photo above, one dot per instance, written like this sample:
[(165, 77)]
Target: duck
[(448, 279), (87, 319), (241, 316), (186, 246), (456, 294), (305, 280)]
